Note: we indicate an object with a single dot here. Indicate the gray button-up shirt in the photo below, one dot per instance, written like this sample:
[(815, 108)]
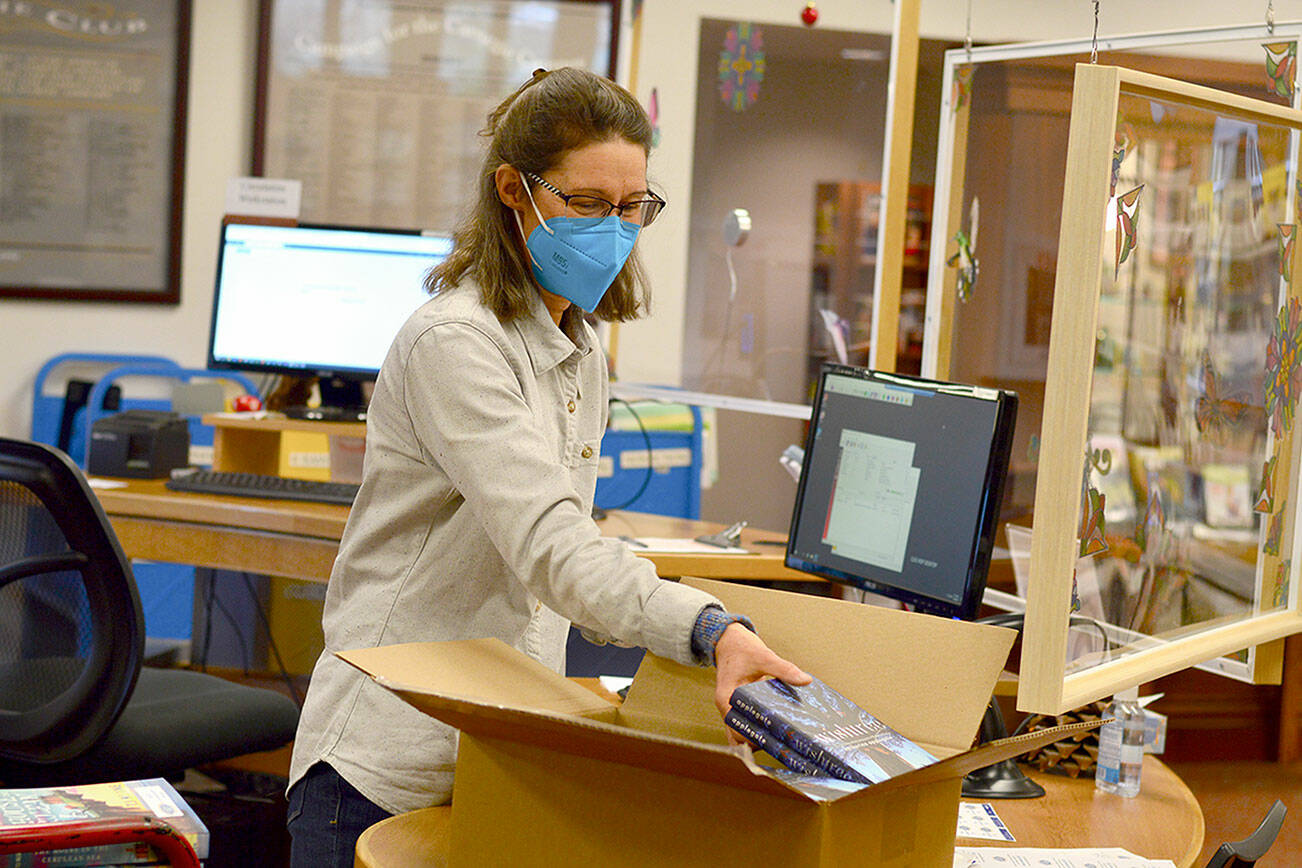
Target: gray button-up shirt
[(473, 519)]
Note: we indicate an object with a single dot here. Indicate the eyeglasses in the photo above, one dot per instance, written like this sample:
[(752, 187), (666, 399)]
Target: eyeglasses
[(643, 212)]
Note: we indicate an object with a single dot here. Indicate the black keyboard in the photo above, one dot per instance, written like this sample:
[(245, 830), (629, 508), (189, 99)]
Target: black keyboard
[(260, 485)]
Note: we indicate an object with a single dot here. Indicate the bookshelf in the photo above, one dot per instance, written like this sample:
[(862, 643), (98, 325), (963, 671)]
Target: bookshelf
[(846, 229)]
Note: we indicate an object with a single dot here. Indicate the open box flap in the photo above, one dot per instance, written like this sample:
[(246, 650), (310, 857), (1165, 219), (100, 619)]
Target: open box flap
[(487, 688), (727, 766), (483, 670), (984, 755), (930, 678), (579, 736), (449, 681)]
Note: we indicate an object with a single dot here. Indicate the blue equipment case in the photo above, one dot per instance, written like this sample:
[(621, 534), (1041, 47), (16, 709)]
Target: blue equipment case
[(673, 486)]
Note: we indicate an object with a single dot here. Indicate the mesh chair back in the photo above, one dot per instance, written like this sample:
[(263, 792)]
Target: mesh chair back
[(71, 629)]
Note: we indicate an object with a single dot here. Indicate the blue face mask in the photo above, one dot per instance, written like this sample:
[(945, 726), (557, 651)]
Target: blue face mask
[(578, 258)]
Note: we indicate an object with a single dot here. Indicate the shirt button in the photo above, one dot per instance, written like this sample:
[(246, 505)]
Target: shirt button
[(587, 452), (570, 406)]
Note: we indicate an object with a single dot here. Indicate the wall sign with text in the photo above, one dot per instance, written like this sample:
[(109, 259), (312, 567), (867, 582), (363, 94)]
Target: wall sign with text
[(376, 106), (92, 143)]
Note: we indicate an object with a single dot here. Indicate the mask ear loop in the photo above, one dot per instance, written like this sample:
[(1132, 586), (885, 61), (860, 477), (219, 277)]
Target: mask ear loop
[(534, 204), (520, 223)]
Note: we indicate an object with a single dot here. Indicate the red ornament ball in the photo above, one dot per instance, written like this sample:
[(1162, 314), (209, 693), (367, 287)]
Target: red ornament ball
[(246, 403), (809, 14)]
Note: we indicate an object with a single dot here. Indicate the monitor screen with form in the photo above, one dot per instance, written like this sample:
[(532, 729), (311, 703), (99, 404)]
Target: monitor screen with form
[(312, 300), (900, 486)]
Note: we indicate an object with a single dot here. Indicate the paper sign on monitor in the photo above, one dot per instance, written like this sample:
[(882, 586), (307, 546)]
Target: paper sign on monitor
[(871, 507)]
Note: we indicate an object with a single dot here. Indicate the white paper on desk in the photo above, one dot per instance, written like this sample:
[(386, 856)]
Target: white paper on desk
[(97, 482), (1036, 857), (671, 545), (979, 820)]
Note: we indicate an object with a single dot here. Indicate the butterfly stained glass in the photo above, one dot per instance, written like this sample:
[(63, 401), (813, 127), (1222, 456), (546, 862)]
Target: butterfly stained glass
[(1127, 224), (1281, 67), (1283, 368), (1275, 533), (1216, 414), (965, 256), (1266, 493), (653, 112), (962, 88), (1280, 597), (1120, 147), (1092, 536), (1286, 251)]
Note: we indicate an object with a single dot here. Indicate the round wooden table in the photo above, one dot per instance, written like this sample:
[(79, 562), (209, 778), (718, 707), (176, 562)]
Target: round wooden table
[(418, 838), (1163, 822)]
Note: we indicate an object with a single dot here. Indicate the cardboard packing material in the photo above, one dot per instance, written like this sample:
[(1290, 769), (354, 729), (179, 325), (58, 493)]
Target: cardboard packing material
[(550, 773)]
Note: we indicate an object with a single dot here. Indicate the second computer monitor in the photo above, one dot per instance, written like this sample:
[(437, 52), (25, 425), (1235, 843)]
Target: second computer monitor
[(900, 486), (316, 301)]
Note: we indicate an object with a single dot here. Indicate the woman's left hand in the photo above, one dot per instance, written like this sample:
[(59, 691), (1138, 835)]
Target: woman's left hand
[(741, 657)]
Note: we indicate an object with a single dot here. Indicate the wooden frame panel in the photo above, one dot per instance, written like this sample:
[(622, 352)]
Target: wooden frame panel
[(952, 149), (1046, 685), (895, 171)]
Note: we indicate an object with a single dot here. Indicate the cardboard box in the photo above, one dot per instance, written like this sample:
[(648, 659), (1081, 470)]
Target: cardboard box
[(550, 773)]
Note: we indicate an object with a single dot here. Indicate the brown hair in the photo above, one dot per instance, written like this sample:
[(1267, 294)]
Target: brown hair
[(550, 114)]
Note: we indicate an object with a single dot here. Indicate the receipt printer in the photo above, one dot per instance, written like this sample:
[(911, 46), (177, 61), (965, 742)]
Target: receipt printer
[(143, 443)]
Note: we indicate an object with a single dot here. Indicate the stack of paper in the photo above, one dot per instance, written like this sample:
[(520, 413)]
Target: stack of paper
[(1010, 857)]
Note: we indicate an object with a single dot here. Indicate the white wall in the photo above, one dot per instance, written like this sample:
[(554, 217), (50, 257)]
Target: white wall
[(219, 130)]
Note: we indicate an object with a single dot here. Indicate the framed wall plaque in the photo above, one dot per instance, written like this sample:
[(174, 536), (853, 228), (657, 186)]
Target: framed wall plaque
[(92, 144), (376, 106)]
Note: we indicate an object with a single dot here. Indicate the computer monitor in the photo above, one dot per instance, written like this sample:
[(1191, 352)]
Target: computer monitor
[(900, 487), (317, 301)]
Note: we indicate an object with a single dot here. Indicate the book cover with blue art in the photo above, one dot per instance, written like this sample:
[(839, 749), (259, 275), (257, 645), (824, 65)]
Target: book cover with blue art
[(757, 735), (829, 730)]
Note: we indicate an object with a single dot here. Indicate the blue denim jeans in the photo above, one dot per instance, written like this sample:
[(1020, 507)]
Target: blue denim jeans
[(326, 816)]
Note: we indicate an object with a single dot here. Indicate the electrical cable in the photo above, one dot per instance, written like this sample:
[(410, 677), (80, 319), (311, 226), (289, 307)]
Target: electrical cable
[(271, 640), (646, 438), (235, 626), (1016, 621), (207, 619)]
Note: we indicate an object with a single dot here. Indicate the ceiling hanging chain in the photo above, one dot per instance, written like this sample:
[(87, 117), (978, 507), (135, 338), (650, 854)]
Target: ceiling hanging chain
[(967, 38), (1270, 17), (1094, 45)]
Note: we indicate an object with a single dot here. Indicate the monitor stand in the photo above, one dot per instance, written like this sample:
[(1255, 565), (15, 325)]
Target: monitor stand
[(1002, 780), (341, 401)]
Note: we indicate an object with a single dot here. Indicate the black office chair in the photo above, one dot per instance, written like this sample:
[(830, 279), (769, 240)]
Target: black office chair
[(76, 706), (1245, 853)]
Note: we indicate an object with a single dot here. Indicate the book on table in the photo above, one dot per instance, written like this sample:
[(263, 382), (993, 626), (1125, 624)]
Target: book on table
[(825, 729), (40, 808)]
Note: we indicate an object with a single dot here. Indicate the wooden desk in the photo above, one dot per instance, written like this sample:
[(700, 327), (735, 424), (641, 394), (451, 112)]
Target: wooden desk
[(1163, 822), (300, 540)]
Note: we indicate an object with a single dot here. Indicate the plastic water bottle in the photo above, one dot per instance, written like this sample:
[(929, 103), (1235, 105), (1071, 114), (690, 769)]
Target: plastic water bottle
[(1121, 746)]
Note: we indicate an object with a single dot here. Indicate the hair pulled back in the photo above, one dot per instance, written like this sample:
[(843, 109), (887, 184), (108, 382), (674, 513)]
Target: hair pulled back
[(552, 113)]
